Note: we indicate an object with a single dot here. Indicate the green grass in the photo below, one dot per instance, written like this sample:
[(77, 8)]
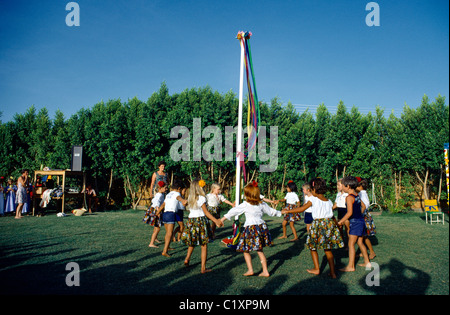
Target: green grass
[(112, 251)]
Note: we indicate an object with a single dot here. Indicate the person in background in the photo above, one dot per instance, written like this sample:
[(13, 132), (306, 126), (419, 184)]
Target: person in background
[(91, 196)]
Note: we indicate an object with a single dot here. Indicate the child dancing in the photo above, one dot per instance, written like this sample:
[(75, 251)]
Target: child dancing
[(150, 216), (255, 235), (198, 230), (323, 233), (292, 201)]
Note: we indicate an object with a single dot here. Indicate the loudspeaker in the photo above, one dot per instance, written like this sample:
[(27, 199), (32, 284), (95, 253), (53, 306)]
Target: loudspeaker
[(77, 158)]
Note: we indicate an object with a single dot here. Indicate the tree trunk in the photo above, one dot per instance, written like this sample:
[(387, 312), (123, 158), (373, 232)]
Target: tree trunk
[(424, 184)]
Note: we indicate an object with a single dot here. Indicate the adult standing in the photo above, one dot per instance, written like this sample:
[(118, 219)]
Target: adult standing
[(159, 175), (21, 195)]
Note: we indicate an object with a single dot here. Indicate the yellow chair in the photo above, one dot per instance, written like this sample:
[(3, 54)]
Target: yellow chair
[(432, 209)]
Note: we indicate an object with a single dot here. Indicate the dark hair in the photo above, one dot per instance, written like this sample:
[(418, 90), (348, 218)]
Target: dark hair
[(350, 181), (177, 184), (292, 186), (319, 185), (25, 170), (162, 163), (364, 183)]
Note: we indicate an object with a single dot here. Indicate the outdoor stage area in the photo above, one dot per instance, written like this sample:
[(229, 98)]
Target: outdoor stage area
[(111, 250)]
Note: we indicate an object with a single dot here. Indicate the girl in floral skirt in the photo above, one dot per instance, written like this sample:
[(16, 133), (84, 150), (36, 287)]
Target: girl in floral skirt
[(255, 235), (292, 201), (213, 200), (198, 230), (323, 233), (150, 216), (370, 225)]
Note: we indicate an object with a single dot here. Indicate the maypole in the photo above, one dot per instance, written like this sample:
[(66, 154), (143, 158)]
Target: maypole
[(239, 155), (253, 115), (253, 118)]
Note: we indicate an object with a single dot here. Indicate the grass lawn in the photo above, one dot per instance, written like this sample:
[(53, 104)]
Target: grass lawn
[(111, 249)]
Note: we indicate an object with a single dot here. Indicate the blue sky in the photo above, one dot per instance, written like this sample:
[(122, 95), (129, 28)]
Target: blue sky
[(305, 52)]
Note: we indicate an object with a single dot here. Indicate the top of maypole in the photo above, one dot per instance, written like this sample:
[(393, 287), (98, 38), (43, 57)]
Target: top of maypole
[(241, 34)]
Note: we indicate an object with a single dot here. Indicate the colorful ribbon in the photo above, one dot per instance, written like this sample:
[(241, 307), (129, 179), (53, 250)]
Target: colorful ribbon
[(253, 115)]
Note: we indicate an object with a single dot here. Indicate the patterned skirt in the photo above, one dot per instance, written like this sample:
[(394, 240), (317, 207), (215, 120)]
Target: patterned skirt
[(151, 218), (197, 231), (254, 237), (370, 225), (214, 211), (291, 217), (324, 234)]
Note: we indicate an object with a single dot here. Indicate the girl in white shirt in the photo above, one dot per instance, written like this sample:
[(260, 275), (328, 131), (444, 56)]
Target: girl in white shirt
[(255, 235), (341, 207), (150, 216), (307, 194), (172, 202), (198, 230), (213, 200), (292, 201), (324, 233), (370, 225)]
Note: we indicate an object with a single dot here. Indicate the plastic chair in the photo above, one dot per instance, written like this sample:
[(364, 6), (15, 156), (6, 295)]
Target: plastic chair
[(432, 209)]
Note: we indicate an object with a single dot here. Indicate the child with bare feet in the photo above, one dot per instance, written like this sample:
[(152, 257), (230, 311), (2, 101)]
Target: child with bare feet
[(307, 194), (170, 207), (323, 233), (198, 230), (292, 201), (370, 225), (150, 216), (355, 210), (255, 235)]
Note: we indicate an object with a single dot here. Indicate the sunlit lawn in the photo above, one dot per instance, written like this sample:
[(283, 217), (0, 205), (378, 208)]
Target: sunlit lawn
[(111, 249)]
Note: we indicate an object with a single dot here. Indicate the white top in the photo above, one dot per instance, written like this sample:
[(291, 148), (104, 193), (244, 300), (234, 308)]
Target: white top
[(307, 198), (171, 202), (253, 213), (157, 200), (214, 200), (291, 198), (197, 211), (321, 209), (364, 198), (340, 199)]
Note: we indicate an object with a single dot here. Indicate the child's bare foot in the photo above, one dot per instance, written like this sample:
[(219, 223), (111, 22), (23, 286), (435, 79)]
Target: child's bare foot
[(347, 269), (206, 270), (166, 255), (294, 239), (264, 274), (156, 241), (372, 256), (313, 271), (332, 275), (153, 245), (248, 273), (281, 237), (368, 265)]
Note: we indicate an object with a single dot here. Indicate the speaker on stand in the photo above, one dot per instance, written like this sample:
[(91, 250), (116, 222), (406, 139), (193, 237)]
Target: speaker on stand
[(77, 158)]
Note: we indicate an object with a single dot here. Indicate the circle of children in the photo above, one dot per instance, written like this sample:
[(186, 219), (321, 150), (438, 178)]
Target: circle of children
[(324, 231)]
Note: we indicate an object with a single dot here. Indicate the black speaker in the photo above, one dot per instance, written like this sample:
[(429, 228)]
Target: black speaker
[(77, 158)]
